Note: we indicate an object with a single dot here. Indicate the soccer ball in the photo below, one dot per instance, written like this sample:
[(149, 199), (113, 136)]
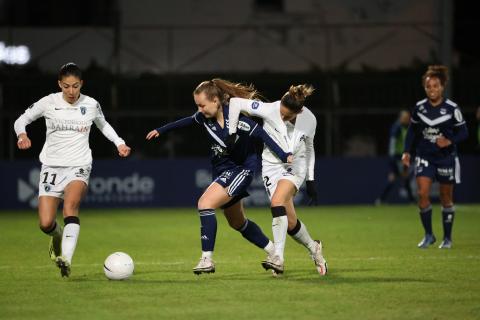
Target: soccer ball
[(118, 266)]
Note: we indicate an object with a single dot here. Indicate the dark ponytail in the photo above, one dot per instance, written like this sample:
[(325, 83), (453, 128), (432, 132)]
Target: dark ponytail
[(295, 97)]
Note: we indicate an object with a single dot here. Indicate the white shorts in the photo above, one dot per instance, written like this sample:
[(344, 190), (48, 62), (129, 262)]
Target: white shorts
[(272, 173), (54, 180)]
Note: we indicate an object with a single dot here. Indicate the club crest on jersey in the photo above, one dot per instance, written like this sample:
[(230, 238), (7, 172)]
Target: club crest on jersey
[(83, 110), (255, 105), (422, 109), (443, 111), (47, 188), (243, 126)]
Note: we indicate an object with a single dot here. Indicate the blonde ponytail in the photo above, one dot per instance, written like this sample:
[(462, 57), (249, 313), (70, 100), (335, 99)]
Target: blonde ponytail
[(224, 90)]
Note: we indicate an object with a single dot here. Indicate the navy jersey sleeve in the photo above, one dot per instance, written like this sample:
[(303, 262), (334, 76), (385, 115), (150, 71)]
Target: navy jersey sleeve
[(185, 122), (257, 131), (460, 131)]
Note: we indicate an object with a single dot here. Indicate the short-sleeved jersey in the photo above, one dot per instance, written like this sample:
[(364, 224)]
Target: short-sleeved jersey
[(242, 154), (68, 129), (432, 122)]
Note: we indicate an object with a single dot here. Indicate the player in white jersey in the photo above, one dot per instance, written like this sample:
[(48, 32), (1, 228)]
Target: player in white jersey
[(292, 126), (66, 158)]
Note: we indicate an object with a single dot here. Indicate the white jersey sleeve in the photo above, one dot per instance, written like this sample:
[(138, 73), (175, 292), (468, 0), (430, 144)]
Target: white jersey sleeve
[(33, 112), (250, 107), (310, 155), (106, 129)]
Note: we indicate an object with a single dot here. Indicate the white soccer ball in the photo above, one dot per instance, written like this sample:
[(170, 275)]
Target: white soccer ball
[(118, 266)]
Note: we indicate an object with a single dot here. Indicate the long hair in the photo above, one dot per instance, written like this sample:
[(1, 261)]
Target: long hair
[(295, 97), (224, 90), (436, 71)]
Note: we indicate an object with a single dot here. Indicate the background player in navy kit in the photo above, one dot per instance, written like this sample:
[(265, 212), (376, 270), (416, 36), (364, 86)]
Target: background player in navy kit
[(233, 169), (397, 171), (437, 125)]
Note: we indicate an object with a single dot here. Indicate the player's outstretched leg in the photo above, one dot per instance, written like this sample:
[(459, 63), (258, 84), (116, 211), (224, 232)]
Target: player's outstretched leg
[(252, 232), (208, 233), (248, 228), (426, 218), (301, 235)]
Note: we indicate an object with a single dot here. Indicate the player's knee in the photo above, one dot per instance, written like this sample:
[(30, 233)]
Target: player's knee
[(46, 225), (204, 203), (71, 207), (277, 201), (446, 200), (422, 193), (236, 224)]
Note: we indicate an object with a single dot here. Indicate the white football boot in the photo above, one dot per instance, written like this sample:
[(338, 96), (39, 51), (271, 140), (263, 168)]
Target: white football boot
[(274, 263), (319, 260), (205, 265)]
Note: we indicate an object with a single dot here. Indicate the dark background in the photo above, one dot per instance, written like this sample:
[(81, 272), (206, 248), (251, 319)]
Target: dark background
[(354, 107)]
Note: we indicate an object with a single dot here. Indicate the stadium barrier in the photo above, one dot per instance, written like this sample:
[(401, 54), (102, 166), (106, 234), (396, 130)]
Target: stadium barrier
[(175, 183)]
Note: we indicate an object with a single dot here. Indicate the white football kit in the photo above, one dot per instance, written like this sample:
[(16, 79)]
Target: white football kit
[(66, 154), (295, 138)]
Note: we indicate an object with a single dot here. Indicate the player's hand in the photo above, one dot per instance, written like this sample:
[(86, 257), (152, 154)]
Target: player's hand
[(406, 159), (230, 141), (290, 158), (23, 141), (152, 134), (443, 142), (123, 150), (312, 193)]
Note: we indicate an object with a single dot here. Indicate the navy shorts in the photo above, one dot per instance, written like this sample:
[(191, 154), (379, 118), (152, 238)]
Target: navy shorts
[(443, 170), (236, 181)]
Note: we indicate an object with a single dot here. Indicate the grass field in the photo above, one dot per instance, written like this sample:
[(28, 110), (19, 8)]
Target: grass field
[(375, 269)]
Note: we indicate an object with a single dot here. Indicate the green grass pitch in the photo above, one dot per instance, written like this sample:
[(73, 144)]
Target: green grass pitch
[(375, 269)]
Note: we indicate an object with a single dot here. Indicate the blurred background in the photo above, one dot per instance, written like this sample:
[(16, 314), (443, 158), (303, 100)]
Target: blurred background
[(142, 59)]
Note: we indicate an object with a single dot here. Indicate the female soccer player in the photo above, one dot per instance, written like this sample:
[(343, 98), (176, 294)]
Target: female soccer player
[(436, 126), (233, 169), (66, 158), (292, 126)]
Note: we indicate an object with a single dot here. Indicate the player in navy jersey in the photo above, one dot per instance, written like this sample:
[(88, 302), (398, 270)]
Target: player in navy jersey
[(436, 126), (232, 169)]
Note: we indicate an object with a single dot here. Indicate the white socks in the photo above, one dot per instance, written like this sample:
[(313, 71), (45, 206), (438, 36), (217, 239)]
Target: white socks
[(279, 229), (269, 248), (207, 254), (301, 235), (69, 240)]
